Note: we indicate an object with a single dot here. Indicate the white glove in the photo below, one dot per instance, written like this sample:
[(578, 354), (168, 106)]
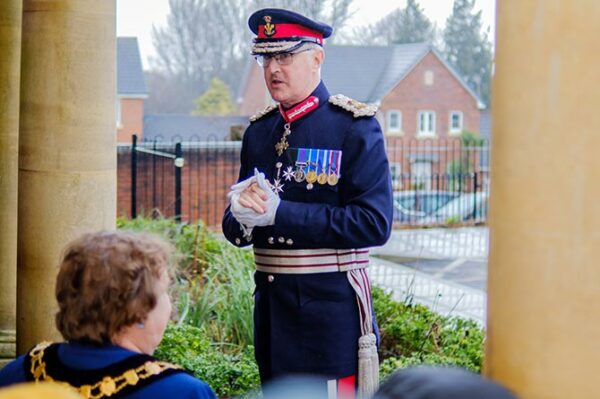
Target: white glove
[(249, 217), (236, 208), (273, 200), (239, 211), (241, 186)]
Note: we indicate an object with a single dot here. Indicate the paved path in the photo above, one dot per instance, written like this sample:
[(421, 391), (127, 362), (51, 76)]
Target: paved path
[(469, 242), (445, 269)]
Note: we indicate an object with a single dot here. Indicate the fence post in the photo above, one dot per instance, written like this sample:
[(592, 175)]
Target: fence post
[(178, 165), (154, 190), (134, 176)]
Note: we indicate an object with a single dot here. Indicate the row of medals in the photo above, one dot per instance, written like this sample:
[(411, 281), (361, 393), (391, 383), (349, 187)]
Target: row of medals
[(299, 174), (312, 177)]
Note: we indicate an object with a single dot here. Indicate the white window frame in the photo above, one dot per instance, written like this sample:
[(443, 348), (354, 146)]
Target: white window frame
[(390, 128), (455, 130), (431, 122)]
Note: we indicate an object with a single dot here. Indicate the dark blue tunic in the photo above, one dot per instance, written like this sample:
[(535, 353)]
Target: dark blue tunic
[(309, 323), (90, 357)]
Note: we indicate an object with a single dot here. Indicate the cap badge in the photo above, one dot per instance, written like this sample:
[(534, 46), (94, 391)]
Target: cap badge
[(269, 27)]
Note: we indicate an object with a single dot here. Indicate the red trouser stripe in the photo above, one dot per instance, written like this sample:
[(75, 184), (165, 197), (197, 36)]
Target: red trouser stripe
[(342, 388), (347, 387)]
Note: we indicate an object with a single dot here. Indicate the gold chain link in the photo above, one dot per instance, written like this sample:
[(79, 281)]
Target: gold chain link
[(108, 386)]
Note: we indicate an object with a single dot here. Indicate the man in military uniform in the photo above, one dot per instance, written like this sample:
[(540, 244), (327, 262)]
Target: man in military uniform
[(314, 192)]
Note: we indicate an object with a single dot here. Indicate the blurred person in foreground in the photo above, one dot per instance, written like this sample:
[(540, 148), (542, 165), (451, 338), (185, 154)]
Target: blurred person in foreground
[(43, 390), (433, 382), (313, 194), (114, 307)]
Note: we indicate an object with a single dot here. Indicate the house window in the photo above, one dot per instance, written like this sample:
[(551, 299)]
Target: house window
[(426, 123), (118, 113), (456, 122), (396, 172), (428, 78), (394, 121), (421, 176)]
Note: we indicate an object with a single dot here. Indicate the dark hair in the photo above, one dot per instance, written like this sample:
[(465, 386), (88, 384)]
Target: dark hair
[(107, 281), (430, 382)]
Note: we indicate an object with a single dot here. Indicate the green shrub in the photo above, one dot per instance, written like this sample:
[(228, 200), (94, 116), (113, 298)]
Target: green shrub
[(392, 364), (228, 374), (471, 139), (452, 220), (412, 334)]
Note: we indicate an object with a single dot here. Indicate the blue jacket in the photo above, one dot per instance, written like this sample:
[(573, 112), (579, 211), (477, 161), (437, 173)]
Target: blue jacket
[(87, 357), (354, 213)]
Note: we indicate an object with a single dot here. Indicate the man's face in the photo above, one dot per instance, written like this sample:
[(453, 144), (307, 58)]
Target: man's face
[(290, 84)]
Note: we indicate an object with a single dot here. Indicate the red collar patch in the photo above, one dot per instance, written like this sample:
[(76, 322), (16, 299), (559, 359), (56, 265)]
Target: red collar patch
[(298, 111)]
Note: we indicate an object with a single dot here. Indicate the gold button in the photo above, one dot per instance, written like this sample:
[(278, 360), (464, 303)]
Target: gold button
[(270, 278), (281, 240), (238, 241), (289, 241), (271, 240)]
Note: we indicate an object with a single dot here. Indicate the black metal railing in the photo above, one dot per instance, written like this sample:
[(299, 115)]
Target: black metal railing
[(155, 171), (436, 182)]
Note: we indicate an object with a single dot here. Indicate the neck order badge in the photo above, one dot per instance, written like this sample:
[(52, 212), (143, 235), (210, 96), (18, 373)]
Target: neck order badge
[(298, 111)]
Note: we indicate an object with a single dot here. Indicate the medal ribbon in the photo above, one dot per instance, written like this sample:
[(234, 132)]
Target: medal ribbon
[(319, 161), (301, 156), (311, 159)]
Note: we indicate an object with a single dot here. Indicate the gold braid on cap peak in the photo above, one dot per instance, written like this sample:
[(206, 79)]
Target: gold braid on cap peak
[(275, 47), (357, 108), (262, 113)]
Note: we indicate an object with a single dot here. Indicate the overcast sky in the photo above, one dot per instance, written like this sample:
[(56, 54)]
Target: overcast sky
[(136, 17)]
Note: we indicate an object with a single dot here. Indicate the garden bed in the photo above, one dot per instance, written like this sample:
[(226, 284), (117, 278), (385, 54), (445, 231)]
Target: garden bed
[(212, 333)]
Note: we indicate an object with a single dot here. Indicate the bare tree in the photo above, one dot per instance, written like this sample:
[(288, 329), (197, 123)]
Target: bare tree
[(206, 39), (168, 94), (203, 39), (403, 25)]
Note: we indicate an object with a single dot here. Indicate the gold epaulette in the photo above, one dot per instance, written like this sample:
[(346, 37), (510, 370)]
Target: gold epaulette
[(262, 113), (357, 108)]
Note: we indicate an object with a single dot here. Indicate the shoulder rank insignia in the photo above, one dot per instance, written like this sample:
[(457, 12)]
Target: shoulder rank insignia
[(262, 113), (357, 108)]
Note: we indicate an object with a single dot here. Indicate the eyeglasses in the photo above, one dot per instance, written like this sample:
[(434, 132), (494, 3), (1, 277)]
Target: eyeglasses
[(282, 58)]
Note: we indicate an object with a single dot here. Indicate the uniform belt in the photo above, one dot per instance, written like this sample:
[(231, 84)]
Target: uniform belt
[(305, 261)]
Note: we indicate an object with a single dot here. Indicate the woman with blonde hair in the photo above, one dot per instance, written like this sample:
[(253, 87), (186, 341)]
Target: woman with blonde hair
[(114, 307)]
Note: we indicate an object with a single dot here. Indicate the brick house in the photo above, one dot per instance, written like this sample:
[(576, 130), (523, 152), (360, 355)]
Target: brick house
[(131, 90), (423, 102)]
